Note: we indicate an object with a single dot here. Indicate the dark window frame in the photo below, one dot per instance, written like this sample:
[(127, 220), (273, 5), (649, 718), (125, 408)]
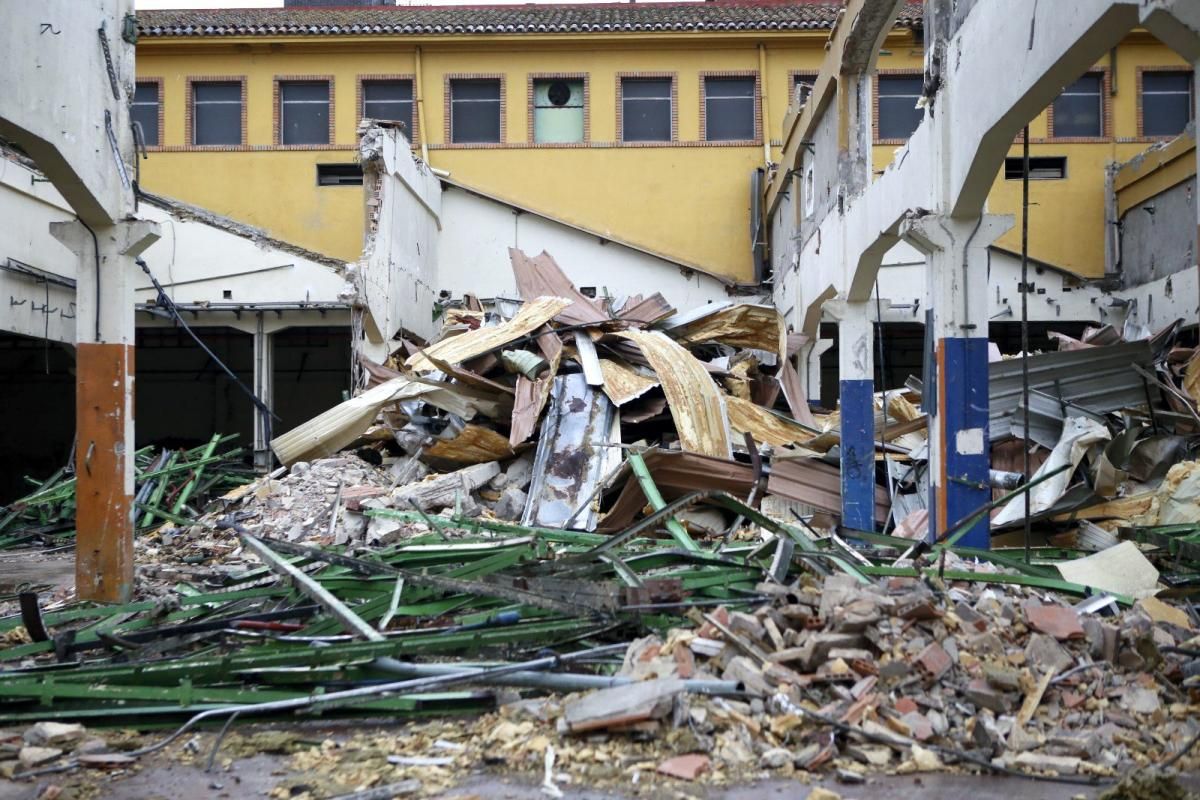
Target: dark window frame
[(414, 133), (535, 78), (232, 80), (756, 122), (673, 109), (882, 77), (1105, 111), (1141, 93), (157, 83), (279, 83), (1041, 168), (501, 103), (339, 174)]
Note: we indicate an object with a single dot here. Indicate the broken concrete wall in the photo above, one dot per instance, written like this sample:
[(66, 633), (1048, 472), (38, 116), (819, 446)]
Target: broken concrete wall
[(1158, 235), (396, 278)]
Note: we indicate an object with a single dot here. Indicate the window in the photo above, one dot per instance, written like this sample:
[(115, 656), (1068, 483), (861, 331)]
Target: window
[(803, 84), (475, 110), (1079, 110), (1167, 103), (217, 113), (1041, 168), (389, 100), (646, 110), (145, 111), (898, 115), (729, 109), (304, 112), (558, 111), (339, 175)]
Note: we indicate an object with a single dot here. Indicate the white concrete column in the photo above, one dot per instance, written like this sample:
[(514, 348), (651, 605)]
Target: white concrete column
[(956, 396), (264, 389), (856, 392), (104, 431)]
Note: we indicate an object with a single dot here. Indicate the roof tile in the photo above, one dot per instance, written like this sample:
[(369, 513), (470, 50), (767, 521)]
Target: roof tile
[(742, 15)]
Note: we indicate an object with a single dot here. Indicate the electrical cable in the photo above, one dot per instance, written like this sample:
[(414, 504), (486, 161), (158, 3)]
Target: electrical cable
[(96, 246), (169, 304)]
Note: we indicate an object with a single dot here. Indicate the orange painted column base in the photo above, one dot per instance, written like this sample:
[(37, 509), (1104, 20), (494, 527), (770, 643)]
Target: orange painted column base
[(104, 478)]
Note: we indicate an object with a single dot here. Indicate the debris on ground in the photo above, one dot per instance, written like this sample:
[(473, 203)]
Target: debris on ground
[(598, 539)]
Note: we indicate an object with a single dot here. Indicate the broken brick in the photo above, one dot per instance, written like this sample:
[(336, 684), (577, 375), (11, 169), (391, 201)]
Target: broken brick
[(686, 768)]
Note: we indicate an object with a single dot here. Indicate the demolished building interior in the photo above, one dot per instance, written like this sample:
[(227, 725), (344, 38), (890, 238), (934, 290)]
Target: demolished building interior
[(516, 494)]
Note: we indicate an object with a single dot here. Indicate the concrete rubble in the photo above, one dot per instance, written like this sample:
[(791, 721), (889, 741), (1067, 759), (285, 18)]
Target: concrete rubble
[(600, 539)]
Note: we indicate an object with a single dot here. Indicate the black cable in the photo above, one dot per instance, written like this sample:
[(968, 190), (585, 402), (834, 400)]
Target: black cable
[(96, 245), (169, 304)]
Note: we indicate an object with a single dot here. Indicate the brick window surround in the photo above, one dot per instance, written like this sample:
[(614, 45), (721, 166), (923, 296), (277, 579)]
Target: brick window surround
[(414, 135), (1141, 131), (161, 132), (1106, 121), (911, 73), (557, 76), (448, 78), (758, 122), (189, 109), (673, 77), (276, 133)]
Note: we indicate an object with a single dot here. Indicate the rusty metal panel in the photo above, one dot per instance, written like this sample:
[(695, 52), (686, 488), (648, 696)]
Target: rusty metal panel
[(571, 454), (817, 484)]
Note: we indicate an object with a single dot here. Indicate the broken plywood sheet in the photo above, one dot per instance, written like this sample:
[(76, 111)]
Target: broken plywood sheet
[(474, 343), (764, 425), (697, 405), (1121, 569), (540, 276), (329, 432), (742, 325), (475, 444), (571, 454), (622, 383)]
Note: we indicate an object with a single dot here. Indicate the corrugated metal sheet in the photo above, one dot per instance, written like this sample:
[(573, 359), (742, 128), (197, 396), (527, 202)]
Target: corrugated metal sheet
[(1099, 379)]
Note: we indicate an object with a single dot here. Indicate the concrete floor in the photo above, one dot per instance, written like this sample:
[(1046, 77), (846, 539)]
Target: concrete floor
[(161, 778)]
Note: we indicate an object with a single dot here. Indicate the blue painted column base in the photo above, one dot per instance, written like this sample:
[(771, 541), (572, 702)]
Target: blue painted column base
[(962, 420), (858, 454)]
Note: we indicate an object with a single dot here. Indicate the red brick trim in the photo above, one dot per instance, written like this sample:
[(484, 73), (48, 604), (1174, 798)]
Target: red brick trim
[(1106, 122), (162, 131), (587, 106), (447, 134), (875, 101), (277, 110), (1141, 131), (251, 148), (359, 100), (758, 122), (793, 74), (189, 112), (674, 78)]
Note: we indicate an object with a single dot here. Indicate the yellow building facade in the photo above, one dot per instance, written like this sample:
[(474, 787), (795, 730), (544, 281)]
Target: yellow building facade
[(687, 198)]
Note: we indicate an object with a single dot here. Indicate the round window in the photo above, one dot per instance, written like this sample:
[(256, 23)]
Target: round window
[(559, 93)]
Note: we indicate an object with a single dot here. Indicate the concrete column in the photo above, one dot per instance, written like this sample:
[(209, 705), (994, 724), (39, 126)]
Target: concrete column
[(856, 389), (956, 399), (264, 387), (104, 403)]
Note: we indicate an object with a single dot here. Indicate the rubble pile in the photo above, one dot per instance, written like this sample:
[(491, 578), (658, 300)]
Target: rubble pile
[(609, 532)]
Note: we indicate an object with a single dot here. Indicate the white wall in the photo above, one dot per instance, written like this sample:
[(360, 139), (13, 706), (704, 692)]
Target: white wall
[(478, 230)]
